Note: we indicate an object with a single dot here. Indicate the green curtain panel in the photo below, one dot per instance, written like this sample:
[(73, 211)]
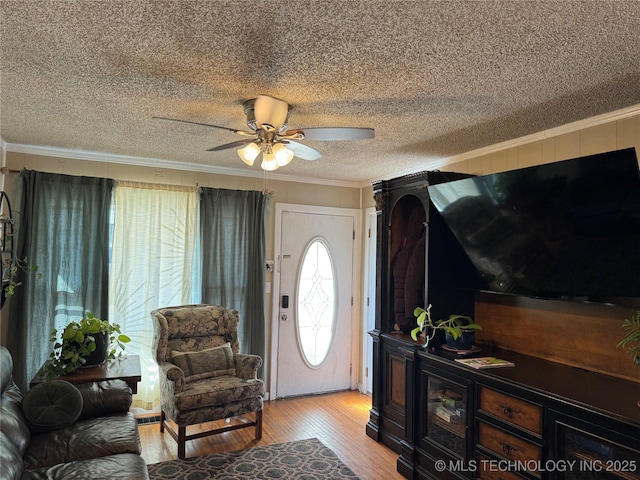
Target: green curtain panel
[(64, 230), (233, 239)]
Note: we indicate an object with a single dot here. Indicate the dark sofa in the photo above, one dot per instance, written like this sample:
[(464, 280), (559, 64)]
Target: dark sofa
[(100, 441)]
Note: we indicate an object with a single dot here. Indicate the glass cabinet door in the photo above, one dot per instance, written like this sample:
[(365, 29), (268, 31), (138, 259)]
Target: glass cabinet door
[(595, 457), (447, 414)]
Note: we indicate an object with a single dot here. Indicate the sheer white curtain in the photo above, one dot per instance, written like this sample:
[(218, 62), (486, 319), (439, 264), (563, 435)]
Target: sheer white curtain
[(152, 266)]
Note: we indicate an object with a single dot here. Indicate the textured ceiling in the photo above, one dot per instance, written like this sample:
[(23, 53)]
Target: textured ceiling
[(435, 79)]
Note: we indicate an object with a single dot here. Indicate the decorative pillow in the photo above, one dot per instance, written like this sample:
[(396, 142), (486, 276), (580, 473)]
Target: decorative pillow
[(211, 362), (52, 405)]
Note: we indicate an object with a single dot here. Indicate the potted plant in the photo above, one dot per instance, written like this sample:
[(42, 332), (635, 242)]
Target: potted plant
[(459, 329), (631, 340), (88, 342)]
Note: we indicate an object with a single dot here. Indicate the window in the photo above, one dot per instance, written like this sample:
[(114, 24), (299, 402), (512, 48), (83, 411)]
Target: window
[(315, 311)]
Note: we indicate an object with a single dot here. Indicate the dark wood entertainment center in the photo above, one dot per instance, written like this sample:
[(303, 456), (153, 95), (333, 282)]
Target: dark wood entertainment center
[(567, 410)]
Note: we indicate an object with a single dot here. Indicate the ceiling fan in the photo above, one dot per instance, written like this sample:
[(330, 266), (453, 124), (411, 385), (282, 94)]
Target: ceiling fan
[(267, 119)]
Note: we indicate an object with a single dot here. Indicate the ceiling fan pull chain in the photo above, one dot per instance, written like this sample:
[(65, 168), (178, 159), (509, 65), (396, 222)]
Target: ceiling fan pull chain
[(265, 189)]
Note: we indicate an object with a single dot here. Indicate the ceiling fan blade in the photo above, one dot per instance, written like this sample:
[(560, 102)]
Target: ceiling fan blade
[(271, 111), (302, 151), (225, 146), (334, 133), (205, 125)]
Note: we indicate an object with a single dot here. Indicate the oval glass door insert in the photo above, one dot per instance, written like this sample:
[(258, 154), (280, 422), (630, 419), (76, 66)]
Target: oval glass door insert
[(316, 303)]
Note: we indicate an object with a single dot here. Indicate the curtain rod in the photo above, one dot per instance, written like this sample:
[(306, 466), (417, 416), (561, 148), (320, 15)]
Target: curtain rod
[(158, 186), (6, 170)]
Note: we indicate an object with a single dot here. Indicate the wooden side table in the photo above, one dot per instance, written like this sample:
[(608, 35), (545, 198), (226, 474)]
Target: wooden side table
[(124, 368)]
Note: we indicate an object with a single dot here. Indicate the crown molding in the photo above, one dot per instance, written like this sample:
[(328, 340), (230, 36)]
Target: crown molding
[(517, 142), (159, 163)]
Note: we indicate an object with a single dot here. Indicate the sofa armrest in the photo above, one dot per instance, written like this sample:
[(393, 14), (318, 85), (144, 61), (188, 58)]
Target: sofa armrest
[(173, 375), (104, 398), (247, 365)]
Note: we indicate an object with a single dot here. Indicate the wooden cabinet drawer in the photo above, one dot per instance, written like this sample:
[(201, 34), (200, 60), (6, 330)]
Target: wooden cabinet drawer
[(498, 475), (508, 446), (510, 409), (489, 470)]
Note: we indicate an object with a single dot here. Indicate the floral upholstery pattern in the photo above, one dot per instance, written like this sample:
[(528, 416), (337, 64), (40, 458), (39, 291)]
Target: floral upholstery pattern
[(190, 328), (193, 327), (210, 362)]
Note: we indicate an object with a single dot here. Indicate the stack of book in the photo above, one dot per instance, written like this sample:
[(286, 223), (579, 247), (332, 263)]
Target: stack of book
[(450, 406)]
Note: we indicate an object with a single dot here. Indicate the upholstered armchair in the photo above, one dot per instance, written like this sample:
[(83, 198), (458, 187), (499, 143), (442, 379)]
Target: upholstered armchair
[(203, 377)]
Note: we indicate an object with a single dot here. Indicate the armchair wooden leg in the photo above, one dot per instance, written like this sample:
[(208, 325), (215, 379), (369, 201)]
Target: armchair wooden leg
[(258, 424), (182, 434)]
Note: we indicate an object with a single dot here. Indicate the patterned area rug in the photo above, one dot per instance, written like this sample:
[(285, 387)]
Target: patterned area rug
[(301, 460)]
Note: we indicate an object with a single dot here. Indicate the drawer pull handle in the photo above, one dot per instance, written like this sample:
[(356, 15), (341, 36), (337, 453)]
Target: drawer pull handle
[(508, 410), (507, 449)]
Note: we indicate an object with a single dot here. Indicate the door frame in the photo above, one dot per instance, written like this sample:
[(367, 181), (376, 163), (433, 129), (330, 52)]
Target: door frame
[(368, 281), (356, 286)]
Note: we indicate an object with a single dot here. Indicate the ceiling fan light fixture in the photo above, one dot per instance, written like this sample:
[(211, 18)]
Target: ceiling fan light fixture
[(267, 119), (283, 154), (249, 153), (269, 162)]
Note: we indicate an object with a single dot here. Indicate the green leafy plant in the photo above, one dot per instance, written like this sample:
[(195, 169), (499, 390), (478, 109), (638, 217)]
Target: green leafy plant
[(631, 340), (78, 340), (13, 267), (11, 264), (454, 325)]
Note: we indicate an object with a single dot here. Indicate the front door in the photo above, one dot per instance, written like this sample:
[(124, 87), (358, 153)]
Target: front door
[(315, 303)]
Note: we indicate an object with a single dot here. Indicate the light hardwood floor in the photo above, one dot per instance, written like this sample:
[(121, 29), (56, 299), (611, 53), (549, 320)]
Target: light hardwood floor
[(336, 419)]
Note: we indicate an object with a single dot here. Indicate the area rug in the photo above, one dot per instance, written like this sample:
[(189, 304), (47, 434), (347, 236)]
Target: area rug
[(301, 460)]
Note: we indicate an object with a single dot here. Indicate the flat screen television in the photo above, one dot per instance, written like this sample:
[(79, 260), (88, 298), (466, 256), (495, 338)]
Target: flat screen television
[(569, 229)]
